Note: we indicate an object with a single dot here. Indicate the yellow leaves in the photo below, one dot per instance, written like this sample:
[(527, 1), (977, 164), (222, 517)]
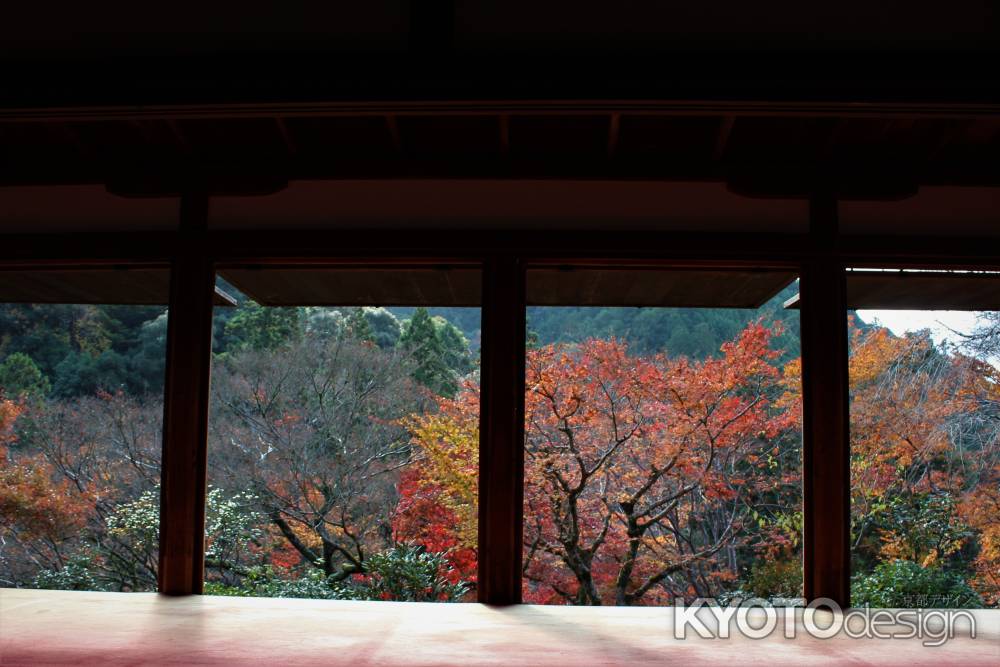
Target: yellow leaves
[(307, 535), (979, 508), (872, 354), (448, 456), (895, 547)]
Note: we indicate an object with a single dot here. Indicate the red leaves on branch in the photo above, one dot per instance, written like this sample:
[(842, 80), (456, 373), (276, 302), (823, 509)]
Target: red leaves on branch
[(638, 470)]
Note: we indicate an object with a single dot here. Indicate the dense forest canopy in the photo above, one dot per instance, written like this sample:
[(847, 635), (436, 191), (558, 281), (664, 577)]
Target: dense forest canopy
[(662, 454), (78, 348)]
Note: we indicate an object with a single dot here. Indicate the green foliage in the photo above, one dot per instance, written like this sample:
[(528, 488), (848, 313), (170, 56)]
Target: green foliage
[(454, 346), (43, 332), (374, 325), (467, 320), (696, 333), (82, 348), (230, 526), (264, 581), (776, 579), (138, 521), (408, 573), (75, 575), (257, 327), (323, 323), (385, 328), (147, 362), (20, 376), (81, 373), (421, 338), (902, 583), (130, 555), (358, 327), (403, 573), (921, 523)]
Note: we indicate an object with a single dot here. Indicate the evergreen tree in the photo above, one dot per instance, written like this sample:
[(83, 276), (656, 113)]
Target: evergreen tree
[(454, 346), (20, 376), (43, 332), (147, 363), (358, 327), (261, 328), (82, 374), (386, 329), (323, 323), (420, 338)]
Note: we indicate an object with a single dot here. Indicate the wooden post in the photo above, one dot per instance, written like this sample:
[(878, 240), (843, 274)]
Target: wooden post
[(185, 406), (826, 487), (501, 431)]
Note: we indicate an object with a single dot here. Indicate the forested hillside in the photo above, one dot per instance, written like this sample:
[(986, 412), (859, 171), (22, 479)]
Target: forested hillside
[(662, 455), (77, 349), (691, 332)]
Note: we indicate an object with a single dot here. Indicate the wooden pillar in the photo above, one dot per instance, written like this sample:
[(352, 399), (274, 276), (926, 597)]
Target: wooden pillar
[(185, 406), (826, 419), (501, 429)]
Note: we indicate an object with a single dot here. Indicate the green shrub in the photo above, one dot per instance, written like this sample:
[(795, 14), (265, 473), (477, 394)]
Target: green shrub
[(776, 579), (264, 581), (902, 583), (75, 575), (406, 572)]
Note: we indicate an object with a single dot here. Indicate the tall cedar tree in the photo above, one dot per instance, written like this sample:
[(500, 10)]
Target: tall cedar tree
[(421, 339)]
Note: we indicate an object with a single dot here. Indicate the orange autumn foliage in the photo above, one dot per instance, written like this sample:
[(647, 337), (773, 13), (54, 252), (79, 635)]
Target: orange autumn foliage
[(636, 469), (921, 433), (33, 505)]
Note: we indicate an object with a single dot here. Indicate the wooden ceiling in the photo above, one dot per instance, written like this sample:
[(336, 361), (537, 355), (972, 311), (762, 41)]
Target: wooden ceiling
[(920, 290), (460, 286), (782, 155), (677, 288), (358, 286), (869, 99), (126, 286), (115, 53)]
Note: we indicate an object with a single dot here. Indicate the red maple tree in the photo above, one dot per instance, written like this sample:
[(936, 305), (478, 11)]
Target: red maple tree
[(641, 473)]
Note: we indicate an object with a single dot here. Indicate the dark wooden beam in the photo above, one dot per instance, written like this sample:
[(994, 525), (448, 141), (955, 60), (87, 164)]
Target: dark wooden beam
[(185, 407), (501, 439), (504, 126), (884, 178), (392, 127), (286, 135), (722, 139), (86, 249), (721, 108), (432, 29), (826, 479), (762, 250), (182, 141), (744, 72), (446, 246), (614, 126)]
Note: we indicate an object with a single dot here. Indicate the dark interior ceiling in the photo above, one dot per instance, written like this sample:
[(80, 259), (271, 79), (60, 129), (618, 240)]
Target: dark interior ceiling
[(136, 53), (876, 98), (868, 157), (127, 286), (920, 290), (359, 286), (679, 288), (460, 286)]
